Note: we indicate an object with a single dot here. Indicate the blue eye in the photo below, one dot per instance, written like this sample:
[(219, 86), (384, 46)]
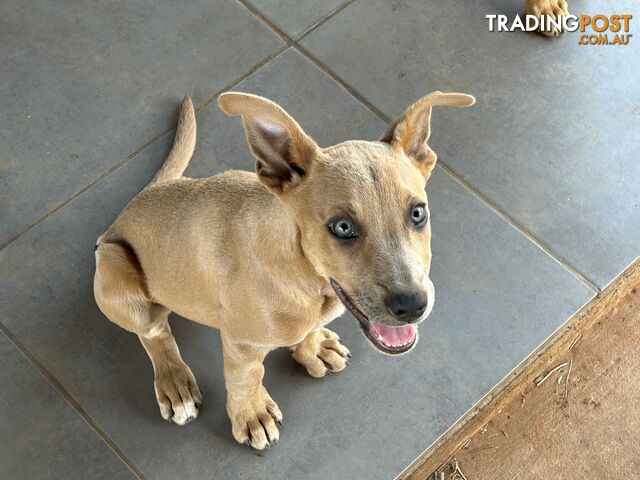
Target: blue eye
[(343, 229), (419, 215)]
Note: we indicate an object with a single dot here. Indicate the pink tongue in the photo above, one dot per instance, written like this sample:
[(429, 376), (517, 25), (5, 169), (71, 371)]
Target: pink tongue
[(395, 336)]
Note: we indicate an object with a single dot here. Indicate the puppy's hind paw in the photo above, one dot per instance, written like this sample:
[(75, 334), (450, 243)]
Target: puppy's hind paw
[(321, 353)]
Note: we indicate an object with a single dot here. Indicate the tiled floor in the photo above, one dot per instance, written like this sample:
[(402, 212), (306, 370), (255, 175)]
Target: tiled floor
[(535, 209)]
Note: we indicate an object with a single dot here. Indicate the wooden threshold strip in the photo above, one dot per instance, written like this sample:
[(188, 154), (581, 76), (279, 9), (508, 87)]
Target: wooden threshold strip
[(545, 357)]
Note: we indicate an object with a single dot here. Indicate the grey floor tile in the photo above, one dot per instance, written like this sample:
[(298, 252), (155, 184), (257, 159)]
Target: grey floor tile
[(42, 437), (295, 17), (553, 138), (498, 297), (84, 84)]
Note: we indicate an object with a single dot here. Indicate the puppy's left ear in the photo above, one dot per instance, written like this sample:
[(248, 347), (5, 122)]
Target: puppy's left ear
[(282, 150), (411, 131)]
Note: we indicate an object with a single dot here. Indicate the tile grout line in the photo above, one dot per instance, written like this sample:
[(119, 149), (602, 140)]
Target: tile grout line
[(543, 245), (88, 186), (206, 102), (285, 36), (264, 19), (293, 42), (59, 388), (137, 151), (361, 98), (323, 20)]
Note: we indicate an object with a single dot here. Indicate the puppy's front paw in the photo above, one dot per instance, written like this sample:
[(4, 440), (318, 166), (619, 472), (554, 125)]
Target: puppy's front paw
[(253, 420), (321, 352), (178, 394), (552, 8)]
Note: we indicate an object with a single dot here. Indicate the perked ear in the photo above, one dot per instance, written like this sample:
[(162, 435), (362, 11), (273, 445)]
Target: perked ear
[(411, 131), (282, 149)]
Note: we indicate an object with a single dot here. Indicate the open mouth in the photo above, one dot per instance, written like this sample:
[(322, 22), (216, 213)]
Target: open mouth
[(387, 339)]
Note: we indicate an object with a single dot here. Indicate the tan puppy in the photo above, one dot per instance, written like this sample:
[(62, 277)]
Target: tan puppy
[(270, 258)]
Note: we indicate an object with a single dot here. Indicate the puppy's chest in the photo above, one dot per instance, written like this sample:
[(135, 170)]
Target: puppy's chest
[(331, 309), (296, 324)]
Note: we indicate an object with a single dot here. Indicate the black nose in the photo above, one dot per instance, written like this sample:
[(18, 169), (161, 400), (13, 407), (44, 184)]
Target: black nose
[(408, 306)]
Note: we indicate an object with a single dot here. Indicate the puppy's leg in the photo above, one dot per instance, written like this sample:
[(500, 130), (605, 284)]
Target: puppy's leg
[(121, 294), (321, 352), (553, 8), (252, 411), (177, 392)]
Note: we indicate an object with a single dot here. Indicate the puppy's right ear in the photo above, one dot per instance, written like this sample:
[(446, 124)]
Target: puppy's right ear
[(282, 149)]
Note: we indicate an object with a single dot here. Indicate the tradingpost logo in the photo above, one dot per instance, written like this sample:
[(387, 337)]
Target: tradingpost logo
[(597, 29)]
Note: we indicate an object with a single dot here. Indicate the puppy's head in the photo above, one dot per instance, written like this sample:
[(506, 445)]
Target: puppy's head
[(361, 209)]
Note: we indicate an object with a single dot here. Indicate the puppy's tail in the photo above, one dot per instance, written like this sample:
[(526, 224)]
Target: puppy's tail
[(183, 146)]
